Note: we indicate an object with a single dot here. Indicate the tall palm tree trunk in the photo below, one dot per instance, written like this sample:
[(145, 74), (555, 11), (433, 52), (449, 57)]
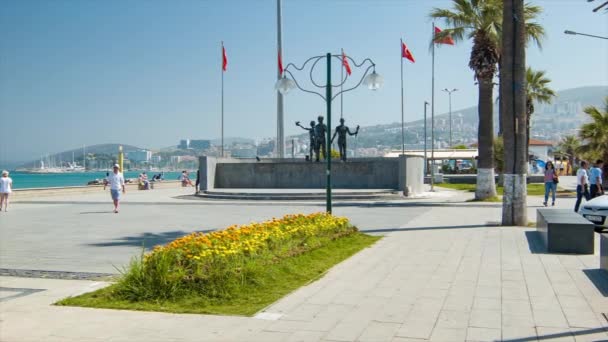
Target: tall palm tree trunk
[(515, 117), (486, 187)]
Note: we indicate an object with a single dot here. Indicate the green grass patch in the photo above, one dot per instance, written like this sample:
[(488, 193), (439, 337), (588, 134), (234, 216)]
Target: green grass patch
[(272, 282), (534, 189)]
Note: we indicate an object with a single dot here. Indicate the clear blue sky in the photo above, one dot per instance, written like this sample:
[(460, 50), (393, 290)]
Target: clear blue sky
[(147, 73)]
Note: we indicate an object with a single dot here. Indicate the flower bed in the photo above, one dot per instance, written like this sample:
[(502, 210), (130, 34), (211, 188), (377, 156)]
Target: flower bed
[(218, 264)]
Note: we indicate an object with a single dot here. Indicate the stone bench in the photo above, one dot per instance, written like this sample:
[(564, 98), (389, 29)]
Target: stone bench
[(604, 251), (564, 231)]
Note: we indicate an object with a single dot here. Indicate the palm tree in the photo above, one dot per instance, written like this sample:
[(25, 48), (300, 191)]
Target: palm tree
[(481, 21), (537, 91), (595, 134), (569, 146)]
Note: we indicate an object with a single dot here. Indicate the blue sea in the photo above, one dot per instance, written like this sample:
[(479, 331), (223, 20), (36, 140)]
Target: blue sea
[(51, 180)]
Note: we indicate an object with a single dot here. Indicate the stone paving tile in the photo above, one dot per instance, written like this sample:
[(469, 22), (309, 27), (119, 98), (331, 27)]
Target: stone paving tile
[(481, 303), (379, 332), (305, 336), (452, 319), (304, 312), (448, 335), (485, 319), (550, 318), (521, 333), (483, 334), (416, 329)]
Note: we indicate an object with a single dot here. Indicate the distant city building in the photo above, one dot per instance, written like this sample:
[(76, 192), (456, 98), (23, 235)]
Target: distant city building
[(140, 156), (243, 153), (199, 144), (156, 159), (179, 159), (184, 144)]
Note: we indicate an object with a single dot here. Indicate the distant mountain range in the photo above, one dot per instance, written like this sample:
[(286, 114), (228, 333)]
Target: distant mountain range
[(549, 122)]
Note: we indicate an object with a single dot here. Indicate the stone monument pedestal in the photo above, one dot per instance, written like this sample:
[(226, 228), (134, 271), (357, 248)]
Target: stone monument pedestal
[(405, 174)]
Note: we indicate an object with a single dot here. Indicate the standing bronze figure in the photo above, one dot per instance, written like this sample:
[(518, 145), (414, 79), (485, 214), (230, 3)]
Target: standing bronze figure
[(341, 131), (311, 133), (320, 140)]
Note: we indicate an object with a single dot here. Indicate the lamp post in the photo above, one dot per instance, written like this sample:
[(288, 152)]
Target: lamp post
[(583, 34), (450, 91), (426, 104), (289, 82)]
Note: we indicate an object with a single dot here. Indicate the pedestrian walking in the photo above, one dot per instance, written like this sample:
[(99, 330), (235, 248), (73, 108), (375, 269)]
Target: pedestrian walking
[(595, 179), (117, 184), (582, 185), (6, 187), (551, 181), (198, 182)]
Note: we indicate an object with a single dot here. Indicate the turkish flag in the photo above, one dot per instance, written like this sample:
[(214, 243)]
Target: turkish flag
[(446, 40), (345, 64), (406, 53), (224, 59), (280, 64)]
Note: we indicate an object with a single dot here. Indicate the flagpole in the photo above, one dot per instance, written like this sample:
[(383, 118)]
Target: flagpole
[(280, 148), (402, 114), (341, 93), (222, 70), (433, 109)]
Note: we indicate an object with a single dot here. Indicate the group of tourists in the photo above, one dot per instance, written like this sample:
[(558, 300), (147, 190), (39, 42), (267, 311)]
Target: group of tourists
[(588, 182)]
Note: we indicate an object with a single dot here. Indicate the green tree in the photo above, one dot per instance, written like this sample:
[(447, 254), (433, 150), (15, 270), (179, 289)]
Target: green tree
[(537, 91), (481, 21), (594, 134)]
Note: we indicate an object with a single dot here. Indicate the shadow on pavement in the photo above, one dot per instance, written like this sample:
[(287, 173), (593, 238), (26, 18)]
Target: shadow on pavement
[(388, 230), (535, 244), (567, 334), (599, 278), (146, 240)]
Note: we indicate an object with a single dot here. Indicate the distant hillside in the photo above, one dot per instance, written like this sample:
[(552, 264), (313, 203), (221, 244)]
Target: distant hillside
[(66, 156), (549, 122)]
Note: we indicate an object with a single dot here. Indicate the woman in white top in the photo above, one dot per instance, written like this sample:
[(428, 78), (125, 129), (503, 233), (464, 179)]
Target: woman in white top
[(6, 185)]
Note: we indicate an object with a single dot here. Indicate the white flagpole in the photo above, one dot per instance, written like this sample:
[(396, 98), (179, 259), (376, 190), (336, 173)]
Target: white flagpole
[(222, 70), (402, 113), (433, 110), (341, 93)]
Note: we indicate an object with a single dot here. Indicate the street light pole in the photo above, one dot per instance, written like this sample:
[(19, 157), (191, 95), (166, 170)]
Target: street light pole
[(328, 144), (425, 139), (285, 84), (583, 34), (450, 91)]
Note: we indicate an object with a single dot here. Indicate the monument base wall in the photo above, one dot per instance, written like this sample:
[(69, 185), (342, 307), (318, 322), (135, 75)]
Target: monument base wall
[(404, 173)]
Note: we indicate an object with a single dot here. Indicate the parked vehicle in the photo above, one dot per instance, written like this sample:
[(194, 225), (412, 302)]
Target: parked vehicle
[(596, 211)]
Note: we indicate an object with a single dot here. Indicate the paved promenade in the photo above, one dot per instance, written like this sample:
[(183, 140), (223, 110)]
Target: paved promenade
[(441, 273)]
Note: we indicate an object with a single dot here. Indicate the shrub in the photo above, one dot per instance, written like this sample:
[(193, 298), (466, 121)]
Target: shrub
[(217, 264)]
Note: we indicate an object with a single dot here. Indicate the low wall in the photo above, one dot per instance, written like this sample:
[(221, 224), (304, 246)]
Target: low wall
[(472, 179), (28, 194), (403, 173)]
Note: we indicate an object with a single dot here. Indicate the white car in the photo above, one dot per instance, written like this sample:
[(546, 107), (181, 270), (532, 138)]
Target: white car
[(596, 211)]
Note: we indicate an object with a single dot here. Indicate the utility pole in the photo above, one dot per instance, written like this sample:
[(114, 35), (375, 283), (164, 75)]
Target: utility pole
[(450, 91)]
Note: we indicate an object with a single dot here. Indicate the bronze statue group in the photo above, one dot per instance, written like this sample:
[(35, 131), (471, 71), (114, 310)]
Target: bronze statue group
[(318, 144)]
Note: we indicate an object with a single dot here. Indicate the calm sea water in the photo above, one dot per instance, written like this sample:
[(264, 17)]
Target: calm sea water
[(50, 180)]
